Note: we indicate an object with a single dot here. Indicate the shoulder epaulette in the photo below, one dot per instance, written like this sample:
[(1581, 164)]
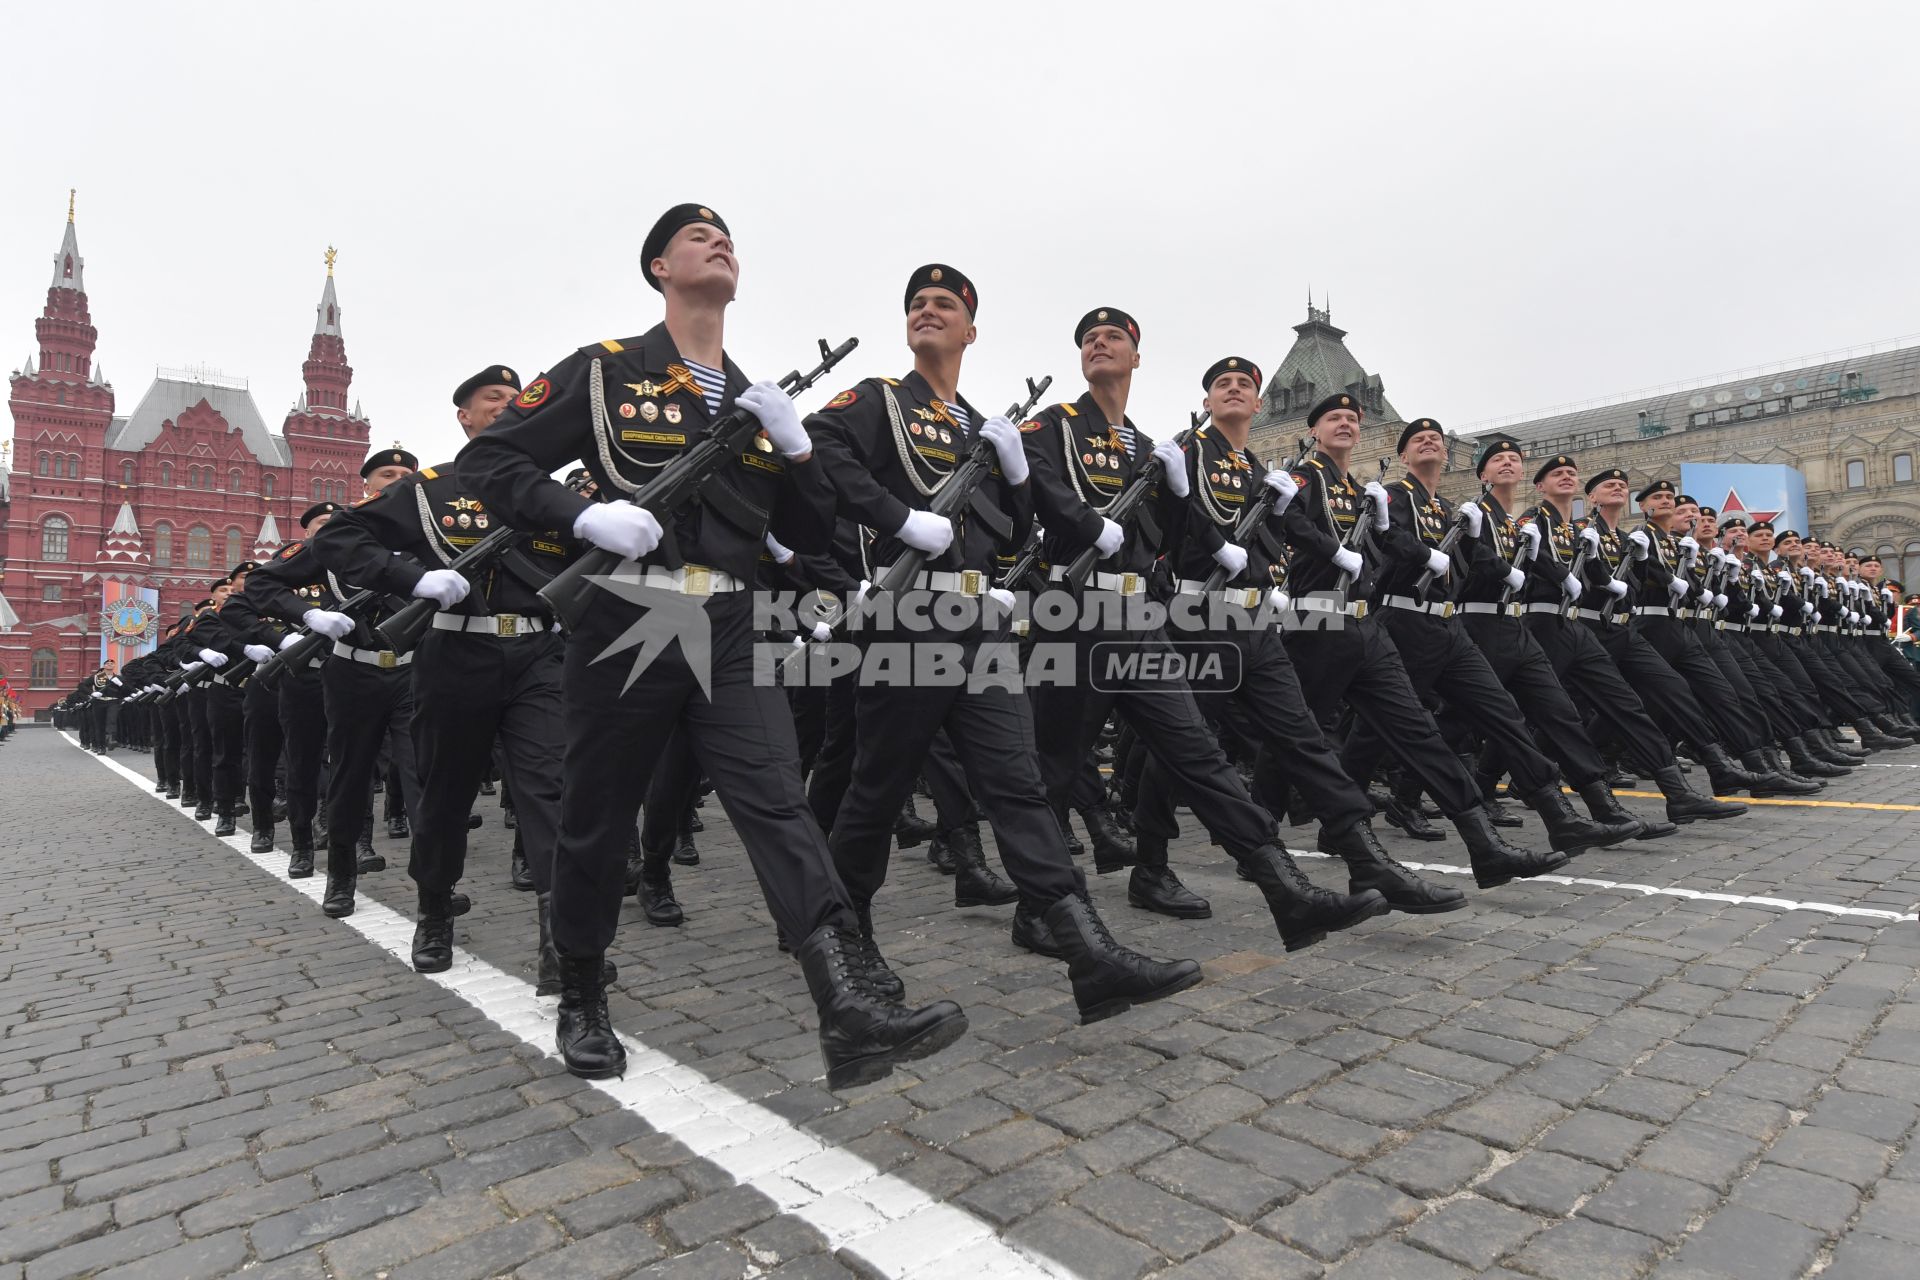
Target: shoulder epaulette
[(1070, 411), (613, 346), (364, 501), (1201, 434), (1316, 464), (429, 473), (1407, 485), (892, 382)]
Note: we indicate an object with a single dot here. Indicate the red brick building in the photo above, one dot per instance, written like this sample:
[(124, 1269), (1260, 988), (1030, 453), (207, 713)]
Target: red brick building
[(167, 497)]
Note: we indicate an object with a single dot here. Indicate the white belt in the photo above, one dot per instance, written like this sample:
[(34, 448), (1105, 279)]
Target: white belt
[(1313, 604), (497, 624), (1652, 611), (1243, 597), (1487, 606), (1590, 615), (1438, 608), (385, 659), (966, 582), (1126, 584), (692, 580), (219, 679), (1825, 629), (1558, 610), (1733, 626)]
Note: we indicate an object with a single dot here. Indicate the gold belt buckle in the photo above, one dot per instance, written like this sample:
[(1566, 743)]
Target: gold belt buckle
[(1129, 584), (971, 582), (1020, 627), (699, 580), (507, 625), (1249, 597), (1446, 608), (1359, 609), (388, 659), (1515, 609)]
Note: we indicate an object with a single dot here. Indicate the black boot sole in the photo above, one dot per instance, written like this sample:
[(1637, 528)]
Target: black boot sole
[(1605, 842), (1650, 830), (911, 839), (1012, 895), (1139, 903), (1428, 833), (1682, 819), (613, 1072), (661, 921), (1415, 908), (299, 873), (855, 1072), (1379, 906), (1494, 882), (435, 964), (1051, 953), (337, 913), (1117, 1005)]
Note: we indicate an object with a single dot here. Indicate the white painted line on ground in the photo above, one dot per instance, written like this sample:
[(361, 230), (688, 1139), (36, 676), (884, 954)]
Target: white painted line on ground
[(1885, 764), (896, 1228), (1651, 890)]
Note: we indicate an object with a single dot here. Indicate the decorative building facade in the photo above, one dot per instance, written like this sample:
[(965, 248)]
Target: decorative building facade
[(106, 517)]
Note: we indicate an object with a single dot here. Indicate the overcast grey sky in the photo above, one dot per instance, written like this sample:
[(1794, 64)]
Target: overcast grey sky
[(1512, 205)]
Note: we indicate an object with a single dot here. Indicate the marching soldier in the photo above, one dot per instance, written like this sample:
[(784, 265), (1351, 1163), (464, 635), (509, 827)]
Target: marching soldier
[(627, 408)]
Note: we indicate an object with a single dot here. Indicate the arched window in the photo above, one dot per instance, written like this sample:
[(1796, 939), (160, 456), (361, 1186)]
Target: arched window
[(1911, 578), (43, 464), (127, 471), (319, 489), (45, 672), (53, 537), (236, 547), (163, 545), (266, 486), (199, 547), (233, 480), (73, 467), (166, 473)]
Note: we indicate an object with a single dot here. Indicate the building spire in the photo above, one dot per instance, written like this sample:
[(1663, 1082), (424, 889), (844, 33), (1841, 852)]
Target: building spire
[(68, 264), (71, 192), (327, 314)]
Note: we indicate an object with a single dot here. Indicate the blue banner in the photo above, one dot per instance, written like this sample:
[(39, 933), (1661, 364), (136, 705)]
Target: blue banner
[(1757, 491)]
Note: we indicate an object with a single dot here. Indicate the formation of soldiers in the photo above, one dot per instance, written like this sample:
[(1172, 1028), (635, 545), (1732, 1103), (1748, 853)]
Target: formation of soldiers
[(1374, 647)]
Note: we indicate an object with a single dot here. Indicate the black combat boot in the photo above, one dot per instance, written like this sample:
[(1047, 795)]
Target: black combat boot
[(203, 810), (433, 932), (1304, 912), (1685, 805), (1074, 848), (584, 1032), (1770, 759), (300, 864), (225, 825), (1369, 866), (1808, 763), (262, 838), (1402, 810), (1030, 932), (1768, 783), (1108, 978), (940, 853), (1154, 887), (1831, 747), (369, 860), (1567, 831), (878, 975), (519, 871), (1872, 737), (1494, 861), (338, 901), (1489, 785), (685, 852), (910, 829), (1609, 812), (1723, 775), (862, 1037), (1111, 849), (397, 828), (975, 884), (657, 902)]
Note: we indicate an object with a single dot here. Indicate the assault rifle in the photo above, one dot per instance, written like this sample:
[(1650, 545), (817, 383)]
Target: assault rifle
[(1451, 539), (1124, 508), (1251, 520)]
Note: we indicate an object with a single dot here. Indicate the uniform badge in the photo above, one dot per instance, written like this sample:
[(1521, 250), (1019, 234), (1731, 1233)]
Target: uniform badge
[(842, 400), (946, 436), (926, 415), (1087, 458), (1213, 477), (644, 388), (914, 427), (627, 411), (535, 395), (447, 521), (672, 413), (649, 410), (1236, 482), (464, 520), (1030, 426), (480, 521), (763, 444)]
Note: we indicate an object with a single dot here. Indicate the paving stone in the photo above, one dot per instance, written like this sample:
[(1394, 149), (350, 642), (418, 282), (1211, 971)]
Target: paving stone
[(1163, 1222), (1323, 1129), (1653, 1204), (1833, 1152), (1231, 1189), (1750, 1245), (1882, 1119), (1474, 1232), (611, 1253), (1861, 1256), (1277, 1157), (30, 1239), (341, 1215), (716, 1261), (1506, 1119), (1543, 1182), (1007, 1145), (1346, 1212), (1825, 1204), (1598, 1137), (1657, 1102), (181, 1193), (1700, 1153), (1431, 1164), (1388, 1260), (1121, 1147), (715, 1217), (1248, 1256), (108, 1250), (1581, 1250), (193, 1260), (1894, 1212), (1096, 1251), (487, 1254), (1025, 1190), (434, 1225)]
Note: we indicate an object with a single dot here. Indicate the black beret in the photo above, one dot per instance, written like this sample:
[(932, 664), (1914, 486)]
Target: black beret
[(394, 457), (1497, 445), (494, 375), (245, 566), (941, 276), (1784, 534), (1413, 429), (1554, 463), (1230, 364), (681, 215), (1338, 400), (1683, 499), (1758, 525), (1611, 473), (1709, 511), (1106, 315), (1658, 486), (317, 510), (203, 604), (1734, 522)]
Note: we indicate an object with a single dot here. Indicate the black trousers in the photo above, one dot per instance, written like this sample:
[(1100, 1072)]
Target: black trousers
[(1068, 719), (1732, 724), (1900, 673), (1343, 659), (201, 732), (833, 764), (1522, 667), (1785, 657), (227, 726), (1584, 660), (1837, 689), (1440, 657), (1786, 702), (1289, 745), (1848, 655), (264, 741), (742, 736), (166, 745), (469, 689), (671, 794), (991, 732), (303, 731), (366, 706)]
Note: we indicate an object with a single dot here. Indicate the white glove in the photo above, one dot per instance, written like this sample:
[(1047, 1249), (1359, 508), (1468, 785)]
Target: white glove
[(822, 632), (1806, 609), (257, 652), (1688, 544), (1348, 561), (1439, 565), (780, 554), (778, 418), (213, 658), (1473, 515), (1112, 538), (1174, 463), (1281, 481), (1719, 601), (1677, 588), (1530, 533), (1278, 598), (1516, 579), (1776, 613), (1006, 445), (1232, 557), (1853, 619), (1739, 574), (334, 626), (190, 668), (1377, 493), (1886, 593), (925, 531), (289, 640), (444, 587), (1001, 596), (1806, 572), (1591, 536), (1717, 554), (1570, 587), (1618, 588), (1786, 581), (620, 527), (1640, 544), (1820, 585), (1753, 611)]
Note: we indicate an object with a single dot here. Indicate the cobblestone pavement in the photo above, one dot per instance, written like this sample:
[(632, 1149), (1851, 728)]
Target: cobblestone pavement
[(199, 1073)]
